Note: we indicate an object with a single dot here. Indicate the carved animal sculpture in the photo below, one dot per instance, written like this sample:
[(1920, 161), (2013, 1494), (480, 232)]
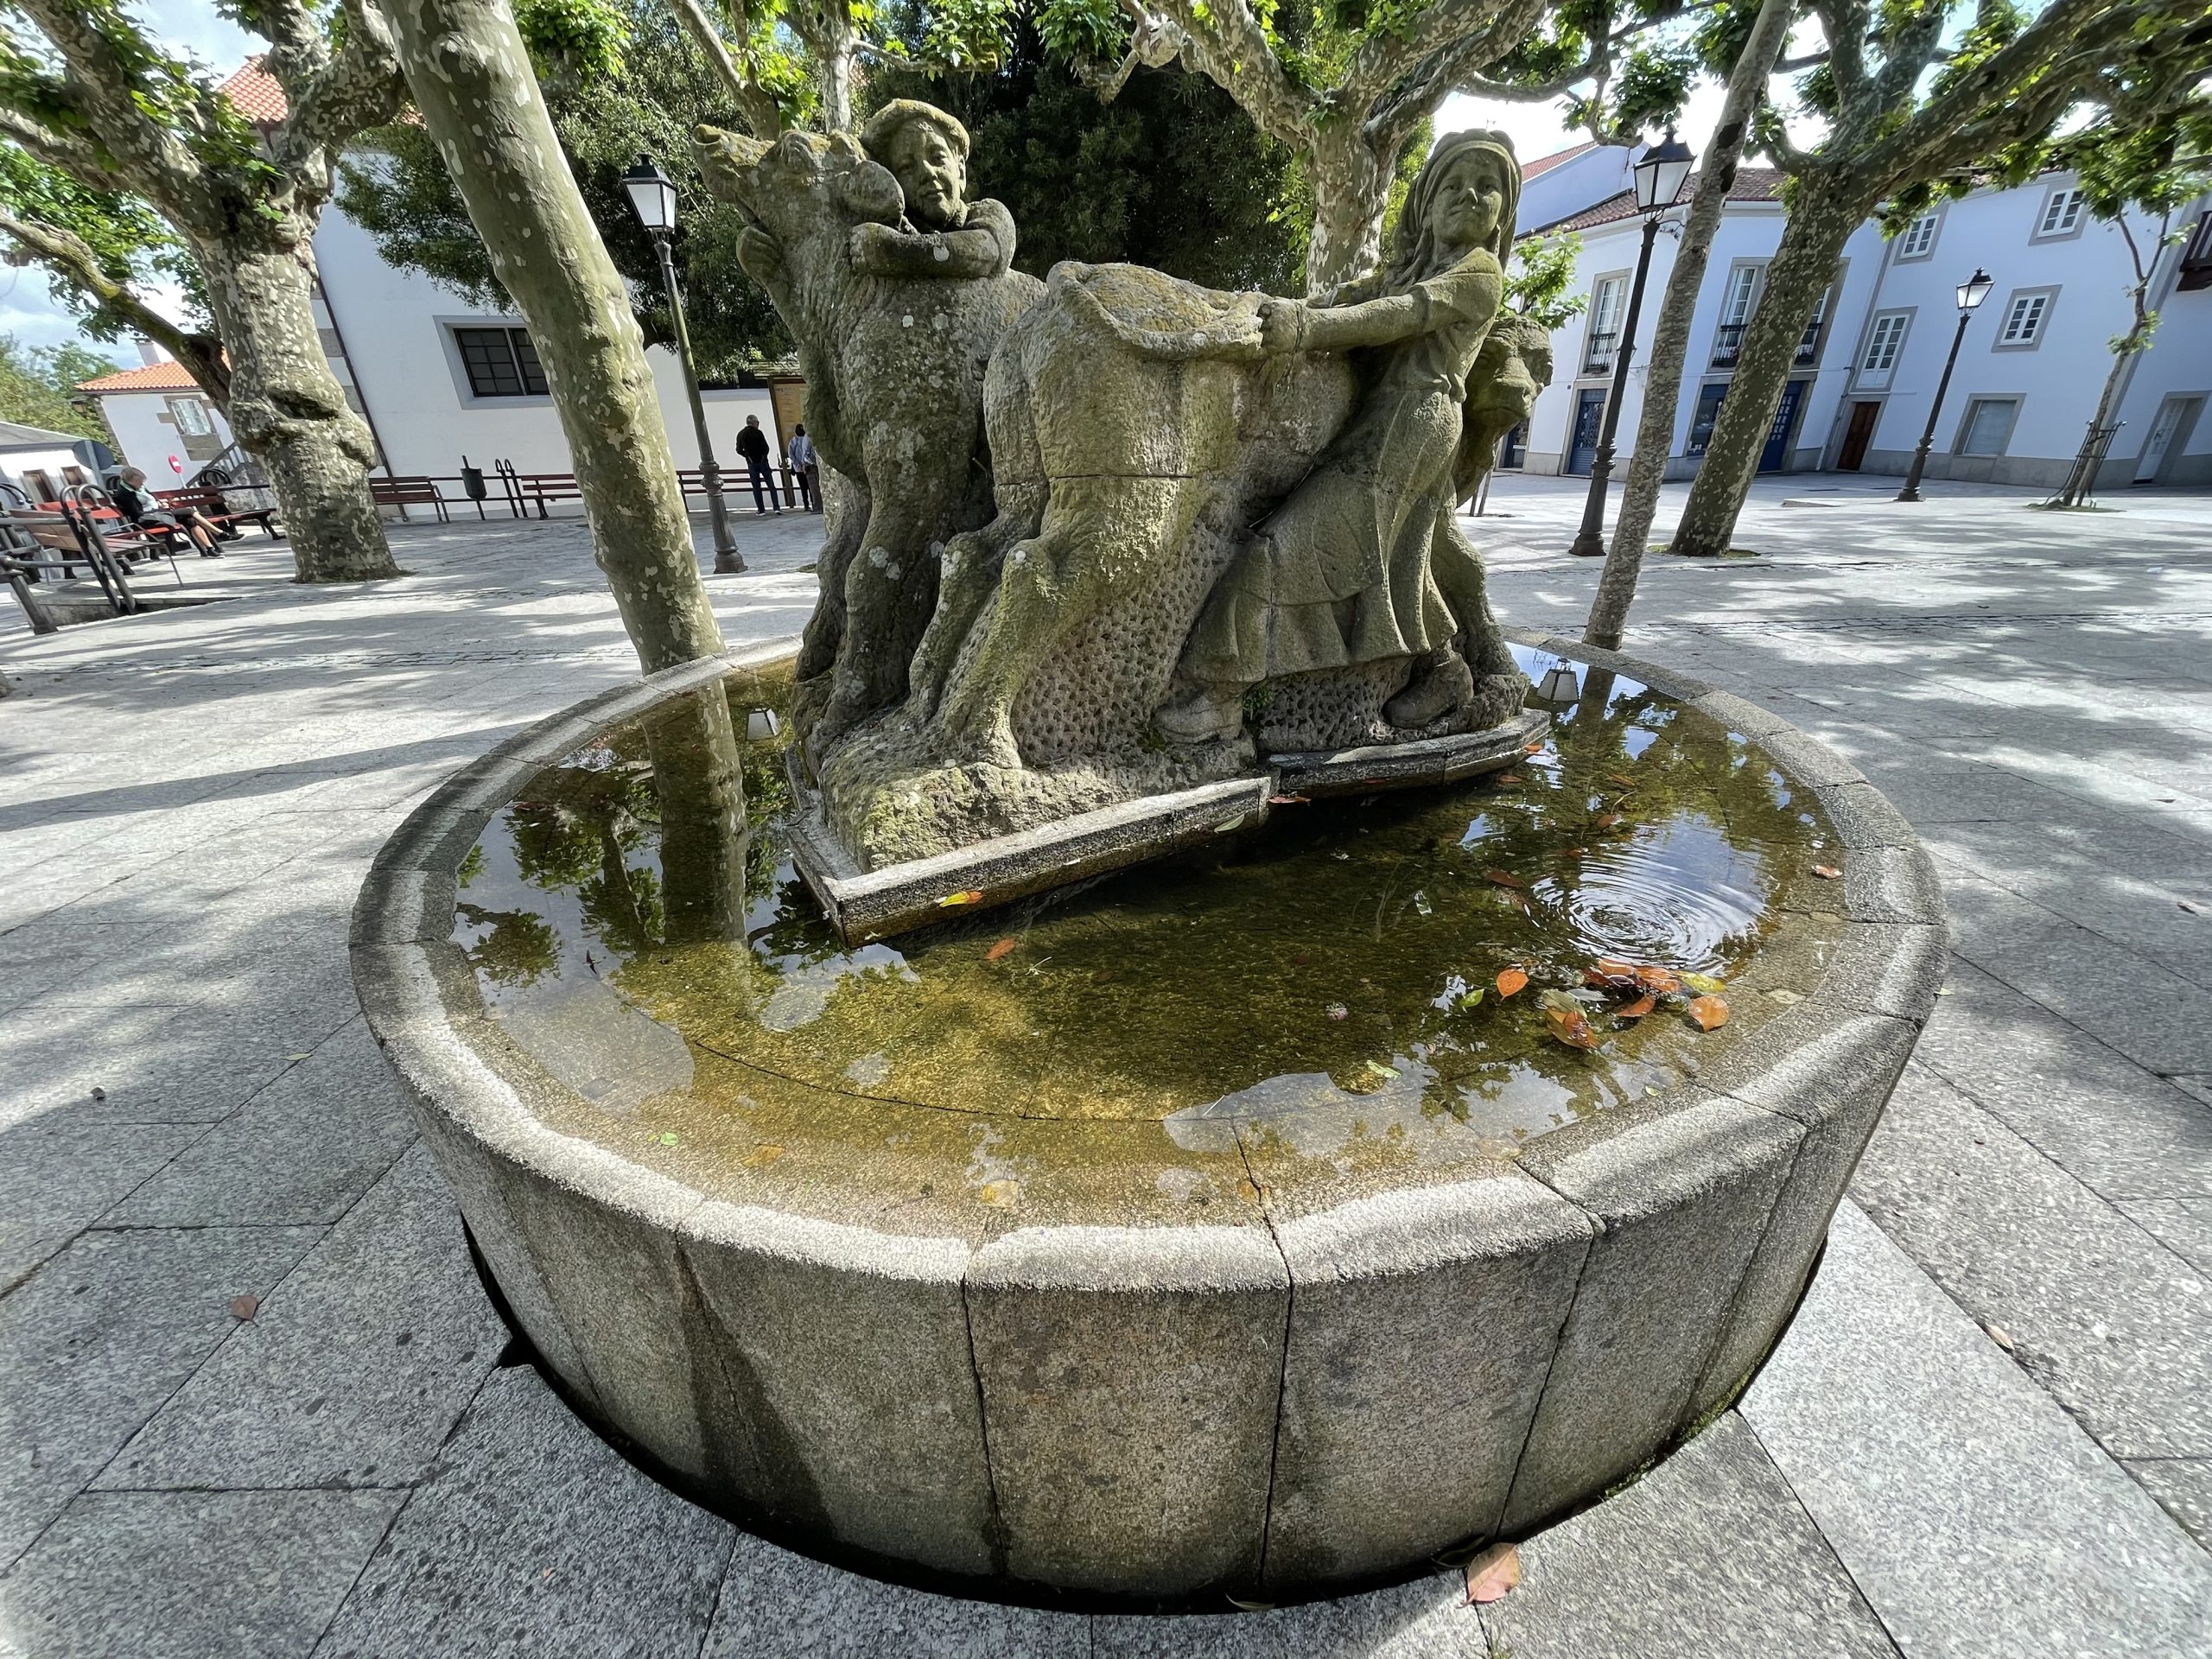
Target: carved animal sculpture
[(1134, 429), (895, 393)]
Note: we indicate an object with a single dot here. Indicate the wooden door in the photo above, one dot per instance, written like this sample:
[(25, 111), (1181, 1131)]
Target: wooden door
[(1860, 434)]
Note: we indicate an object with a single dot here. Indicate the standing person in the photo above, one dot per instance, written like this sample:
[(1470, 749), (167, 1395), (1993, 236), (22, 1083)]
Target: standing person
[(752, 444), (142, 508), (802, 463)]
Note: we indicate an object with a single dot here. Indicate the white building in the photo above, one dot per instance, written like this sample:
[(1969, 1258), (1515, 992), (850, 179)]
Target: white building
[(2030, 368), (163, 423), (42, 464)]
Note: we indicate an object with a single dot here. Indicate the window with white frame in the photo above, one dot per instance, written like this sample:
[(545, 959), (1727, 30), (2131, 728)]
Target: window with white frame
[(1883, 341), (1735, 315), (2062, 214), (1988, 426), (1809, 343), (191, 417), (2025, 313), (1919, 239), (1604, 325)]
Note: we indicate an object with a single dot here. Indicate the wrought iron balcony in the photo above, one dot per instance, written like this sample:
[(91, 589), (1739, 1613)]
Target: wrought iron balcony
[(1727, 345), (1598, 356)]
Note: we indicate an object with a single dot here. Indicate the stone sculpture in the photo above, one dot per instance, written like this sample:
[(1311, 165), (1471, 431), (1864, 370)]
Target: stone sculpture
[(1223, 524), (896, 289)]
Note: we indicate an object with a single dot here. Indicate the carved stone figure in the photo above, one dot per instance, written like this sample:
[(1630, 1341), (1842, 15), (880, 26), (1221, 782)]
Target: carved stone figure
[(896, 289), (1363, 576)]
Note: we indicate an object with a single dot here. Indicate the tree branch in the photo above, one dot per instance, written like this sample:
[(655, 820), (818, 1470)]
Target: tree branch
[(147, 156), (760, 111), (1231, 50), (64, 252), (74, 156), (331, 100), (1485, 30)]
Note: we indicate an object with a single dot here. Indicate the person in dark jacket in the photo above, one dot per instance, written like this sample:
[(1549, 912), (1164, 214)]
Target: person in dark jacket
[(752, 444), (142, 507)]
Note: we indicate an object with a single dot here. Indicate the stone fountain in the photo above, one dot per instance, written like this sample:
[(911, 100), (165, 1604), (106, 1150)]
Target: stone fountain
[(958, 1094)]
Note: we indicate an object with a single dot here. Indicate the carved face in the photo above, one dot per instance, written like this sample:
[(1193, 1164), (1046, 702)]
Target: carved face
[(931, 173), (1469, 199)]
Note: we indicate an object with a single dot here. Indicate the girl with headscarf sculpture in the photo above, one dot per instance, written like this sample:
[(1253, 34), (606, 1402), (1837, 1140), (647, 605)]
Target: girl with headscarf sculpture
[(1364, 562)]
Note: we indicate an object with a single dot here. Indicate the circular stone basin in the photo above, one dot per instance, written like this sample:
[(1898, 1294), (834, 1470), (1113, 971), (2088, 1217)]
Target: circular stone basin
[(1396, 1174)]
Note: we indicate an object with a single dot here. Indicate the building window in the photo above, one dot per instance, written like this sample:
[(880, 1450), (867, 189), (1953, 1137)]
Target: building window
[(500, 362), (2026, 315), (1605, 326), (1919, 239), (1735, 315), (1708, 411), (191, 417), (1883, 344), (1988, 426), (1513, 452), (1808, 344), (2197, 257), (2062, 214)]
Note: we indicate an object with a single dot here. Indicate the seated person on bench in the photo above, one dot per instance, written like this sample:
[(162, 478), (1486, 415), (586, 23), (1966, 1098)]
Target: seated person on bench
[(138, 505)]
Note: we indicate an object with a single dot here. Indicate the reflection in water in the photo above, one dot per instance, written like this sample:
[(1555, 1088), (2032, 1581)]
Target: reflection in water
[(1305, 991)]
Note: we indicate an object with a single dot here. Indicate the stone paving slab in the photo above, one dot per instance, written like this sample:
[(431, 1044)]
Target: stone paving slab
[(1973, 1513), (186, 1575), (56, 1177), (355, 1368), (1424, 1619)]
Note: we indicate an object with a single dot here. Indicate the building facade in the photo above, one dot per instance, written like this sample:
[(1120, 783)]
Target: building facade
[(2031, 366)]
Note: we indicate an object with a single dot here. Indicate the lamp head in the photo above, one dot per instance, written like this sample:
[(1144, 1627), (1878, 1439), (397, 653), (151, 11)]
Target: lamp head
[(1974, 289), (653, 194), (1661, 172)]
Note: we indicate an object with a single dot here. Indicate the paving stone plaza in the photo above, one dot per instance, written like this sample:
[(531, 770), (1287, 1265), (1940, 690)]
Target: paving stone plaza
[(1988, 1432)]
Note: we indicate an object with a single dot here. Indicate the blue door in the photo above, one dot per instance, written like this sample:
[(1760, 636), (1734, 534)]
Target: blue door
[(1589, 415), (1785, 425)]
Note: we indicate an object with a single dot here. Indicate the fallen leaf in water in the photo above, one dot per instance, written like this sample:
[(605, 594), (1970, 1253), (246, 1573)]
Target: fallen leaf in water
[(1709, 1012), (763, 1154), (667, 1138), (970, 896), (1826, 872), (1607, 821), (1388, 1073), (1572, 1028), (1610, 970), (1000, 949), (1301, 959), (1637, 1009), (1660, 981), (1228, 825), (1537, 747), (1472, 998), (245, 1307), (1502, 878), (1001, 1193), (1492, 1574), (1337, 1011), (1288, 800), (1509, 779), (1510, 980), (1703, 984)]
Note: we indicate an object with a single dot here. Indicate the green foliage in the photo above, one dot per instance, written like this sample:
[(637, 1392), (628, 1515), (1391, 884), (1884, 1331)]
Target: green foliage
[(1114, 182), (38, 387), (580, 40), (1084, 30), (131, 243), (1537, 281), (403, 197)]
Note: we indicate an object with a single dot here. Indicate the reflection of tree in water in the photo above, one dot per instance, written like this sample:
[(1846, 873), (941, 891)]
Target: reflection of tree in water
[(515, 948)]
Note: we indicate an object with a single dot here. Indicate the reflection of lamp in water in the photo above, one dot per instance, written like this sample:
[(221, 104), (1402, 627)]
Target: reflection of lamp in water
[(1559, 684)]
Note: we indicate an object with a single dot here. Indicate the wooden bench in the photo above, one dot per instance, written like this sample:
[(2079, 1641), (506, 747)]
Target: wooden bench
[(416, 490), (212, 504), (544, 488)]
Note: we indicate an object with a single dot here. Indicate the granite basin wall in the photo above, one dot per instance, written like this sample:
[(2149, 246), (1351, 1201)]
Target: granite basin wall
[(1170, 1416)]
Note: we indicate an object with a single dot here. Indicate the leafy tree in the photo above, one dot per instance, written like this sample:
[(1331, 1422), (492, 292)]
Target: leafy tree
[(38, 387), (1348, 86), (611, 100), (1906, 115), (84, 89), (1537, 281)]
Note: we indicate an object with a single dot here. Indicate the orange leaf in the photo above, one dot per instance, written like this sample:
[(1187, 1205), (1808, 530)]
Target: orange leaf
[(245, 1307), (1502, 878), (1660, 981), (1607, 822), (999, 949), (1637, 1009), (1511, 980), (1572, 1026), (1609, 971), (1491, 1574), (971, 896), (1826, 872), (1710, 1013), (1537, 747), (1510, 777)]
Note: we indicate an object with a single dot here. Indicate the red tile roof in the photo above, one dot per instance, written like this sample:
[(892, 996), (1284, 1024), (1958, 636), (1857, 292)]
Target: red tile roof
[(1544, 164), (155, 376), (1751, 184), (256, 94)]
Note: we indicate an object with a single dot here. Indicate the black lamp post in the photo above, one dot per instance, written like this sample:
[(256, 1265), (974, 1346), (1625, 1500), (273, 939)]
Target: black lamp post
[(1971, 293), (1661, 172), (652, 193)]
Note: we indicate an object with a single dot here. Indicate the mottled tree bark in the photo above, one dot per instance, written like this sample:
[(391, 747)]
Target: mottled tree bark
[(1670, 335), (1351, 191), (289, 411), (475, 91), (1821, 219)]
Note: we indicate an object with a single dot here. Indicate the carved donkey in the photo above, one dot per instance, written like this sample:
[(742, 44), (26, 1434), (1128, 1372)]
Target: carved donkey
[(894, 390)]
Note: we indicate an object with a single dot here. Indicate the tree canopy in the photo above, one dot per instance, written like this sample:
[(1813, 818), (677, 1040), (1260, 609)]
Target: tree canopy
[(38, 387)]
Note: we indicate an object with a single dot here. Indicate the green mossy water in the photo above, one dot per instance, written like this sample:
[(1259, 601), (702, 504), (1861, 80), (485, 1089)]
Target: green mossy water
[(1290, 1013)]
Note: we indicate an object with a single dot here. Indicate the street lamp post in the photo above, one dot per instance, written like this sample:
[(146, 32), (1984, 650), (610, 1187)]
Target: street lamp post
[(653, 194), (1660, 173), (1971, 293)]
